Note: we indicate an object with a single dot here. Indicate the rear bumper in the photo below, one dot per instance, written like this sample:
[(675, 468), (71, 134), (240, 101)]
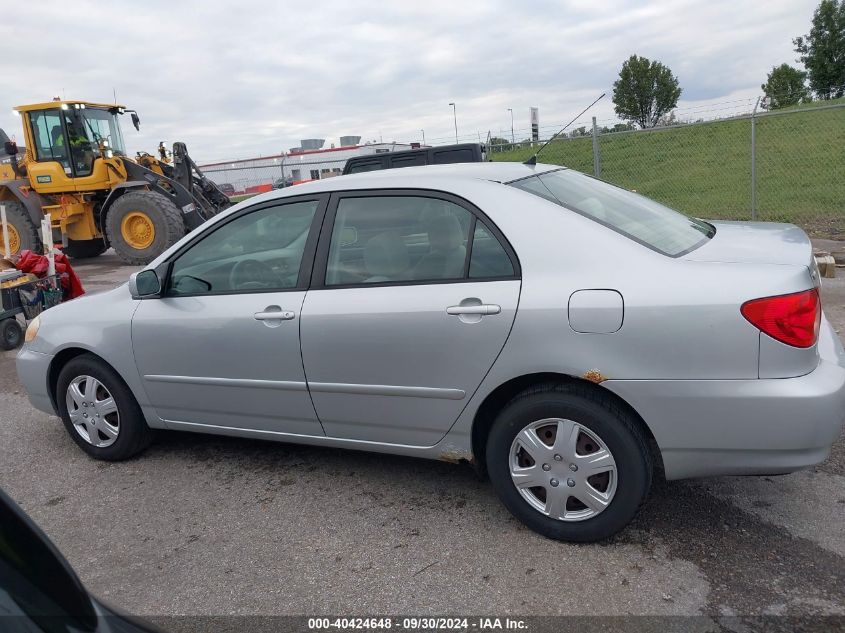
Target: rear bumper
[(33, 368), (744, 427)]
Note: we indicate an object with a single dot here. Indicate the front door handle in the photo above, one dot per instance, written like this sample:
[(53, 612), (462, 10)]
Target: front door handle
[(481, 310), (274, 313)]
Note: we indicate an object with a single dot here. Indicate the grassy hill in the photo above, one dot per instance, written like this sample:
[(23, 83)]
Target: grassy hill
[(705, 169)]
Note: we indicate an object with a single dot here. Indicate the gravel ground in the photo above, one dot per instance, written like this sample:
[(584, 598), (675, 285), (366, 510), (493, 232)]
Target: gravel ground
[(208, 525)]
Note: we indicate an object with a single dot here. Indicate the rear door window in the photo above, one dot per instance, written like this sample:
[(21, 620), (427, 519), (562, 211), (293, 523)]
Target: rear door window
[(489, 258), (407, 238), (386, 239)]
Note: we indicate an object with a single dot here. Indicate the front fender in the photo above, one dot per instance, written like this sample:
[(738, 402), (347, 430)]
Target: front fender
[(100, 324)]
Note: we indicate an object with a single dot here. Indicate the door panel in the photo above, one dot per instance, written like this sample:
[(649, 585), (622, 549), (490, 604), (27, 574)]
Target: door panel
[(389, 364), (209, 360), (222, 346)]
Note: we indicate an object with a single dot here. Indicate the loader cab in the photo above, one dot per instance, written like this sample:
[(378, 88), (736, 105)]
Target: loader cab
[(66, 139)]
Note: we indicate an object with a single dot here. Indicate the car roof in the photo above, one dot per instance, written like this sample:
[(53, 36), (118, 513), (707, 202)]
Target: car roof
[(490, 171)]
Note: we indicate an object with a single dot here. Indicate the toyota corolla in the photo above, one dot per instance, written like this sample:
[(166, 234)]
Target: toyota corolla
[(565, 335)]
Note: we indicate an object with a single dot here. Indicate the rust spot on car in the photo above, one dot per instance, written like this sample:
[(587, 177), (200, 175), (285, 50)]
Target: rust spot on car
[(455, 456), (594, 375)]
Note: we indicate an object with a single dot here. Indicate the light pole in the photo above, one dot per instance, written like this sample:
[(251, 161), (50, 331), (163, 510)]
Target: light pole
[(423, 133), (513, 138), (455, 115)]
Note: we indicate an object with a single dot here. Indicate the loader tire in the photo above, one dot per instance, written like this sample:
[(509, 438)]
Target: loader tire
[(23, 234), (141, 225), (81, 249)]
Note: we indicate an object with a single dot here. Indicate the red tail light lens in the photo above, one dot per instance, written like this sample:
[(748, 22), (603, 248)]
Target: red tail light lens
[(792, 319)]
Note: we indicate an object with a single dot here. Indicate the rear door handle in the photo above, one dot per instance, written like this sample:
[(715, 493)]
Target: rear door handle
[(274, 315), (483, 309)]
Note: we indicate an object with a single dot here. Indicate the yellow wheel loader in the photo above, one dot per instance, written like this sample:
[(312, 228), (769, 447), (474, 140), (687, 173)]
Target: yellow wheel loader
[(76, 169)]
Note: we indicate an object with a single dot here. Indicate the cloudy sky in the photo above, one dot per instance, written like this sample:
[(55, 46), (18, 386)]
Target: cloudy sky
[(245, 78)]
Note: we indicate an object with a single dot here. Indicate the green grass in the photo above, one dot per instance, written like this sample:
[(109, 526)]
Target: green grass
[(705, 169)]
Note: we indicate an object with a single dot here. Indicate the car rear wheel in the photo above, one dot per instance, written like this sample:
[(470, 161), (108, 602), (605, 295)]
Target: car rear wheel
[(569, 463), (99, 411)]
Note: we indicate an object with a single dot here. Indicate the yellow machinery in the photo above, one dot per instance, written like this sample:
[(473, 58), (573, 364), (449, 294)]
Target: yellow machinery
[(76, 169)]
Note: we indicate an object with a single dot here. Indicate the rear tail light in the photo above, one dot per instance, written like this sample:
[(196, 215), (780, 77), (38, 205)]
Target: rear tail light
[(792, 319)]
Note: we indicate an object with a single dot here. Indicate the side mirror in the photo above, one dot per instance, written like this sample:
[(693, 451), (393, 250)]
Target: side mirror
[(11, 148), (136, 120), (145, 285)]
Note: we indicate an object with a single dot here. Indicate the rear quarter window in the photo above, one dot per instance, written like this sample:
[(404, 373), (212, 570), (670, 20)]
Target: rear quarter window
[(637, 217)]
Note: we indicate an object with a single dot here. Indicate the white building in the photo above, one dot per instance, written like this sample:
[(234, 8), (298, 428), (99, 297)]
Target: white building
[(254, 175)]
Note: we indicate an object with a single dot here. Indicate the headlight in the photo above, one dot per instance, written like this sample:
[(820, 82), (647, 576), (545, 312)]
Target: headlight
[(32, 329)]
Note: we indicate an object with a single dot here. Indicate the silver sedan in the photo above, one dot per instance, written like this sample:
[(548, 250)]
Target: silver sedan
[(568, 337)]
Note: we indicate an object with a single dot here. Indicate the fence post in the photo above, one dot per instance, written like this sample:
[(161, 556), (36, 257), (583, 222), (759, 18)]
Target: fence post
[(754, 161), (596, 153)]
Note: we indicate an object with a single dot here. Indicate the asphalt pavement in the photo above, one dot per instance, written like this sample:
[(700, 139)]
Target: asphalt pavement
[(210, 525)]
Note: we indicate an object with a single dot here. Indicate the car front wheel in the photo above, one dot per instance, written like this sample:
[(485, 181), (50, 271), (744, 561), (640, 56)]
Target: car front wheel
[(99, 411), (569, 463)]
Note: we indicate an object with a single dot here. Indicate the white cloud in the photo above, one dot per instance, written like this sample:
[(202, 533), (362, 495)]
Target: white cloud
[(237, 80)]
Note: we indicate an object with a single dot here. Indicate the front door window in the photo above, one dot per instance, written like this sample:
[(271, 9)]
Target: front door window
[(257, 252)]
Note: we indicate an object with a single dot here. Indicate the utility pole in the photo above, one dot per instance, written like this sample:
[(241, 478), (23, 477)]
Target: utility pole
[(455, 115), (513, 138)]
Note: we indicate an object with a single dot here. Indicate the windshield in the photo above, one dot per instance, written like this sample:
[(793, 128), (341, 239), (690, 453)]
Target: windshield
[(637, 217), (95, 125)]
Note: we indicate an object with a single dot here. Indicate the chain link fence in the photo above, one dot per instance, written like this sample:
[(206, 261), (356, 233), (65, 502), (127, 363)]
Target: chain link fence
[(779, 166), (782, 166)]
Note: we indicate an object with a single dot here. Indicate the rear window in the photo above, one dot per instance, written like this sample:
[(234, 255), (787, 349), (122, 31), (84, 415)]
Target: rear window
[(445, 157), (637, 217), (360, 167)]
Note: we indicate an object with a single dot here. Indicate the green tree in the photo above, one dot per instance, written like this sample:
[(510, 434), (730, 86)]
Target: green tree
[(645, 91), (785, 86), (822, 50)]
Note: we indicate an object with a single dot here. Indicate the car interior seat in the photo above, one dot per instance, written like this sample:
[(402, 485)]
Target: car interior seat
[(386, 257), (447, 253)]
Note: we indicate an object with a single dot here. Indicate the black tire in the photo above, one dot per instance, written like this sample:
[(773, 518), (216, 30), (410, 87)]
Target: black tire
[(133, 434), (165, 216), (11, 333), (599, 414), (82, 249), (17, 217)]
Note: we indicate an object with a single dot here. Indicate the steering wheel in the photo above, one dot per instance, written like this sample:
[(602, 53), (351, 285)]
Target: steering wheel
[(251, 274)]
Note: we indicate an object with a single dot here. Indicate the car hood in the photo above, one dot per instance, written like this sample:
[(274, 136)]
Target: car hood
[(755, 243)]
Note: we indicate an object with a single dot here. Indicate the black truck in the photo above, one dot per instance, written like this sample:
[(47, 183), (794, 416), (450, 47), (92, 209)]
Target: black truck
[(441, 155)]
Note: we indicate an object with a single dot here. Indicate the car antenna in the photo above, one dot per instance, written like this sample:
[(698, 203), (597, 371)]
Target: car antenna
[(533, 159)]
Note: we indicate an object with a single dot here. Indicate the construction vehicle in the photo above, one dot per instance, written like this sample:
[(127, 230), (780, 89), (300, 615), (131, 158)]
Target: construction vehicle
[(76, 169)]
